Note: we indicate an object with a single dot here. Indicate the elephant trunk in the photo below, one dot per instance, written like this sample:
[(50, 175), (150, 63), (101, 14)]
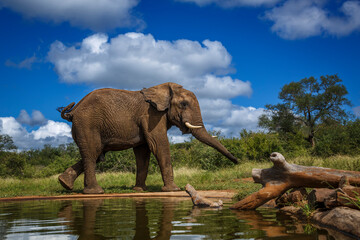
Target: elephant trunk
[(203, 136)]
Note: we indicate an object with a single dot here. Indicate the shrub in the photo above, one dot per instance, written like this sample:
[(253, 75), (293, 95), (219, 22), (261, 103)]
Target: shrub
[(258, 146), (12, 164)]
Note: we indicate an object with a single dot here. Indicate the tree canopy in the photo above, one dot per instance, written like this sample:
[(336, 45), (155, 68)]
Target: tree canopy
[(306, 105), (6, 143)]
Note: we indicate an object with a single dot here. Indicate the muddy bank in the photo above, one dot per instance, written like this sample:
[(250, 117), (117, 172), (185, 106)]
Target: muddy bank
[(221, 194)]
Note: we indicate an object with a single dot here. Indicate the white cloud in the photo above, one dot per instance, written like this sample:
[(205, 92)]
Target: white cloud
[(215, 110), (301, 19), (53, 133), (235, 119), (96, 15), (224, 87), (52, 129), (37, 118), (136, 60), (233, 3), (244, 117), (298, 19), (175, 136)]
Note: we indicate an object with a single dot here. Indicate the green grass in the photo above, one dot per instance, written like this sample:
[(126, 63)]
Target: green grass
[(119, 182), (350, 163), (122, 182)]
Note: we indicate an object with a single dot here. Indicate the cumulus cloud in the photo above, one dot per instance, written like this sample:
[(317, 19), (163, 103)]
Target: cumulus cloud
[(295, 19), (224, 87), (53, 133), (136, 60), (244, 117), (215, 110), (36, 119), (235, 119), (233, 3), (301, 19), (96, 15)]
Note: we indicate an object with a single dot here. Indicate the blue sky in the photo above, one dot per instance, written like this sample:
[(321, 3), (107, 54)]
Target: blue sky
[(234, 54)]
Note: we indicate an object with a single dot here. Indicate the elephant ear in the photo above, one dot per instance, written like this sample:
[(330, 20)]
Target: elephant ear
[(160, 96)]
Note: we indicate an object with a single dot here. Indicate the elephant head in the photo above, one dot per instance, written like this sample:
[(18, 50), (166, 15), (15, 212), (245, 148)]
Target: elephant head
[(183, 110)]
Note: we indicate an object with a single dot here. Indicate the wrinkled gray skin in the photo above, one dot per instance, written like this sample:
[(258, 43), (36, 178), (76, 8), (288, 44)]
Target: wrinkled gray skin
[(112, 120)]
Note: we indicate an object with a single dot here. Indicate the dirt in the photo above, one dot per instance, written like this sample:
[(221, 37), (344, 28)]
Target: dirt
[(221, 194)]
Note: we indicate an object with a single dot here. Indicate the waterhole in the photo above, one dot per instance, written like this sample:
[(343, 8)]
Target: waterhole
[(140, 218)]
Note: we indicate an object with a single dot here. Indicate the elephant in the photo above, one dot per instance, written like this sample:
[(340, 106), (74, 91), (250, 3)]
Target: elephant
[(112, 120)]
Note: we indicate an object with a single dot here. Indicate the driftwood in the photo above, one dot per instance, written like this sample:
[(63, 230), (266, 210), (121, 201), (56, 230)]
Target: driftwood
[(284, 176), (200, 201)]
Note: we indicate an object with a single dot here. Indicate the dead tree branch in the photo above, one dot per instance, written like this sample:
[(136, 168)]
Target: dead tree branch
[(284, 176)]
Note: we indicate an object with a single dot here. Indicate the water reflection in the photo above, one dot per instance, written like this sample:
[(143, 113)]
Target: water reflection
[(84, 225), (144, 219)]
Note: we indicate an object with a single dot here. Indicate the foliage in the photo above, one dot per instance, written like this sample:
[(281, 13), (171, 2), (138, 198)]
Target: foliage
[(306, 105), (307, 209), (12, 164), (6, 143), (353, 201)]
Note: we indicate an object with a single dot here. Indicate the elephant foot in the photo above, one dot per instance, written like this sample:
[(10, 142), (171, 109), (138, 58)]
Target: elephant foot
[(93, 190), (139, 188), (170, 188), (67, 181)]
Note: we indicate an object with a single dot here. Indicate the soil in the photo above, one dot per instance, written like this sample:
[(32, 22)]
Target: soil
[(221, 194)]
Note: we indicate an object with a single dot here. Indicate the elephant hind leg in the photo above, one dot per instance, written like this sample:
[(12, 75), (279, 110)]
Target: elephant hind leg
[(142, 155), (68, 177), (89, 158)]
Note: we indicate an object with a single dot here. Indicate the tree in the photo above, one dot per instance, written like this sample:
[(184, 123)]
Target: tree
[(6, 143), (307, 104)]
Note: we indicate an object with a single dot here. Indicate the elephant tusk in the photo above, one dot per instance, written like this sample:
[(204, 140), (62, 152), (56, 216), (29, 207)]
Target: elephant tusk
[(191, 126)]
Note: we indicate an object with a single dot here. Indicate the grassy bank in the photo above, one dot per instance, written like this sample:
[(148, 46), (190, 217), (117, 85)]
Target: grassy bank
[(120, 182)]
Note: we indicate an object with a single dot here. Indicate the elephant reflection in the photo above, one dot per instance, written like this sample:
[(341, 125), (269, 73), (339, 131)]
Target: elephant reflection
[(164, 223), (85, 225)]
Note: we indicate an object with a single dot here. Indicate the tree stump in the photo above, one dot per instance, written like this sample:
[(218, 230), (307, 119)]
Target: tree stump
[(284, 176)]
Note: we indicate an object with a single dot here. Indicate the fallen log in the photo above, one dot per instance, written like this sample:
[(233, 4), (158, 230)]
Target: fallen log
[(200, 201), (284, 176), (346, 195), (317, 197), (296, 195)]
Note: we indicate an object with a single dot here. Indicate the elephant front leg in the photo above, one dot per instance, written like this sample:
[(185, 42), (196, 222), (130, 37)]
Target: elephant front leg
[(142, 155), (161, 150)]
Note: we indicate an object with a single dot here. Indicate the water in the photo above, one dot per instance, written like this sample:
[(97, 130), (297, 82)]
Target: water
[(137, 218)]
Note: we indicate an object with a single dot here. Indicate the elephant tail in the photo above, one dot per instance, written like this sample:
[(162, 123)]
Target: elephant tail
[(66, 111)]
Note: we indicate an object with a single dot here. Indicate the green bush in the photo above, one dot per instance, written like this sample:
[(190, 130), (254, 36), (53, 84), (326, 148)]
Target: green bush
[(12, 164), (258, 145)]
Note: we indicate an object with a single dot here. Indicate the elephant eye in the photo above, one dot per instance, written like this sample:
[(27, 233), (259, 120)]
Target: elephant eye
[(184, 104)]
